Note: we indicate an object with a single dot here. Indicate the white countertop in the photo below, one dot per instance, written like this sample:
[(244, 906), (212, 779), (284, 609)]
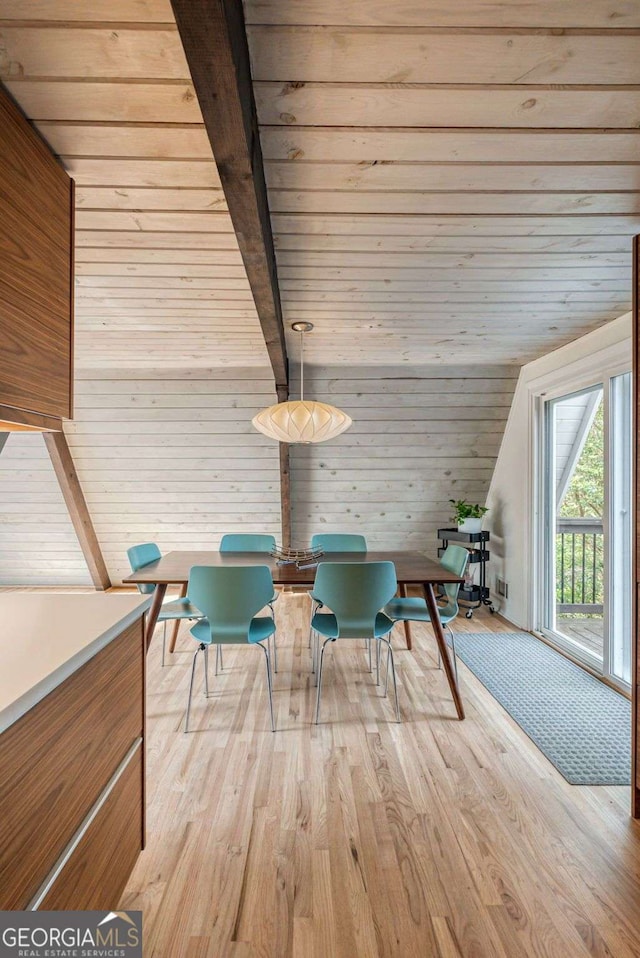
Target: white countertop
[(45, 638)]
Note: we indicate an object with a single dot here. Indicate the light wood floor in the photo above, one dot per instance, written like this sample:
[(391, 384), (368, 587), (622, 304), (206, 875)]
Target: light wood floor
[(363, 837)]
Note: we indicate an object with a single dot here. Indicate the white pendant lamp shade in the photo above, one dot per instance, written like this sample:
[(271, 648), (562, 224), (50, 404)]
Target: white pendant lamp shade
[(301, 420)]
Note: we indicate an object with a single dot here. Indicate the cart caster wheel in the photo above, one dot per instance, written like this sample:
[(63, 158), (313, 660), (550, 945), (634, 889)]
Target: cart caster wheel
[(469, 614), (492, 610)]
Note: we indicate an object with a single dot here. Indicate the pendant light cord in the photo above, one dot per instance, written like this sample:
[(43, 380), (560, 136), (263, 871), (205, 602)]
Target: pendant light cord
[(301, 365)]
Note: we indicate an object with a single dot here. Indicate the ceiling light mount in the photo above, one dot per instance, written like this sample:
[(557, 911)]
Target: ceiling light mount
[(301, 420)]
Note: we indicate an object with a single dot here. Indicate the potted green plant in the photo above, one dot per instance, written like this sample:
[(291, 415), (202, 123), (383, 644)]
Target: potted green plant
[(467, 515)]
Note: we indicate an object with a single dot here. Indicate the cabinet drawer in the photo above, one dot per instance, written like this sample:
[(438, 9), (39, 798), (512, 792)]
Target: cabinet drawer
[(58, 758), (97, 870)]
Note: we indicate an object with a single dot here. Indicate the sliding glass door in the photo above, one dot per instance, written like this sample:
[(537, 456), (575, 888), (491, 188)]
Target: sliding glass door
[(586, 528), (618, 663)]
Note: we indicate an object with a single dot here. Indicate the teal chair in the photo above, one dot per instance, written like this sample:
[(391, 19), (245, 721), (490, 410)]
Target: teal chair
[(230, 598), (172, 609), (334, 542), (252, 542), (454, 559), (247, 542), (355, 592), (339, 542)]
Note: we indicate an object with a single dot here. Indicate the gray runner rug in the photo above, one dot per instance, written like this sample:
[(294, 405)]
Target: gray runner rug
[(580, 724)]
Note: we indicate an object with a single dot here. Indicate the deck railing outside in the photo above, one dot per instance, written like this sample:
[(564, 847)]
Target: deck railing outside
[(579, 566)]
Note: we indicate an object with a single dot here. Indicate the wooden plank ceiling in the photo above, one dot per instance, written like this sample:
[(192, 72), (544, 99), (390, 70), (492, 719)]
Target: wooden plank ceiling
[(159, 276), (449, 182)]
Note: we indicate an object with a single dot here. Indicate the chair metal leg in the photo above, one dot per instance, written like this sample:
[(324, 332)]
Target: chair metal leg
[(273, 639), (314, 608), (316, 640), (164, 641), (377, 641), (218, 656), (267, 657), (393, 675), (206, 671), (386, 677), (193, 672), (324, 645), (369, 652)]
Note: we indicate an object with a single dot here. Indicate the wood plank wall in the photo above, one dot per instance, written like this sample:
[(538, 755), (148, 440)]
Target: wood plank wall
[(38, 545), (419, 437), (170, 456)]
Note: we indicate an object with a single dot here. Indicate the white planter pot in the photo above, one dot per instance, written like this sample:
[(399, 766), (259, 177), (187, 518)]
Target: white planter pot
[(470, 525)]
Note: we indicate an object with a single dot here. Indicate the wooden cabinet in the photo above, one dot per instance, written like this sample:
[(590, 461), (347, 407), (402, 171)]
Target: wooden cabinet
[(98, 867), (36, 277), (72, 785)]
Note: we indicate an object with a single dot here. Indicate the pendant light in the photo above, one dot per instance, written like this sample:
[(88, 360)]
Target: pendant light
[(301, 420)]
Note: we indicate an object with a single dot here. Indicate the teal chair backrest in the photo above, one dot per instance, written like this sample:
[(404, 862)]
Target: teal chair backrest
[(140, 556), (339, 542), (247, 542), (454, 559), (355, 592), (230, 597)]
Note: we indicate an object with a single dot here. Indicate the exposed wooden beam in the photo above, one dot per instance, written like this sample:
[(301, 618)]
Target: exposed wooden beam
[(60, 454), (215, 43), (285, 494)]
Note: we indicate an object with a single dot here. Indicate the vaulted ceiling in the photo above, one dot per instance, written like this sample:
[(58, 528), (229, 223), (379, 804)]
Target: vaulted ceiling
[(449, 181), (453, 188)]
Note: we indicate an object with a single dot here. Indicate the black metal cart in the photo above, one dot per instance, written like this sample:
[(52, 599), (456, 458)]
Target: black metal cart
[(471, 597)]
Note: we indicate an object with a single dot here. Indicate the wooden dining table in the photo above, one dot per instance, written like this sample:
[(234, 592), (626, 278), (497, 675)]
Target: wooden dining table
[(412, 568)]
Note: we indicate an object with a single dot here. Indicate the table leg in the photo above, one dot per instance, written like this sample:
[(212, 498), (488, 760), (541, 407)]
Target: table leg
[(176, 627), (152, 617), (432, 606), (407, 625)]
